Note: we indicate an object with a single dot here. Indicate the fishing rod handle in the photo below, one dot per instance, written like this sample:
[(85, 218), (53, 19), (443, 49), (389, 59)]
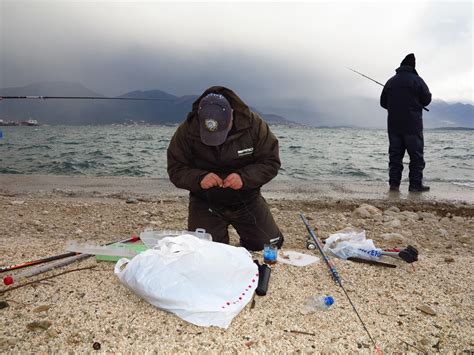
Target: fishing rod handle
[(10, 280)]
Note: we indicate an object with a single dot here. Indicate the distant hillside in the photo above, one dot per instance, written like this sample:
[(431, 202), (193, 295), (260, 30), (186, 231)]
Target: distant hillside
[(443, 114), (172, 109), (366, 112)]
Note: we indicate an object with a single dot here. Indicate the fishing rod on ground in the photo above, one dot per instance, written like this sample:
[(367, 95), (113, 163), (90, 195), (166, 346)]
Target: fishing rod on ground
[(46, 259), (375, 81), (335, 275), (35, 262), (69, 258)]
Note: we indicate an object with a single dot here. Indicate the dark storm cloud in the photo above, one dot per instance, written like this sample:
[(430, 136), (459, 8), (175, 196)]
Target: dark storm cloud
[(45, 42), (279, 55)]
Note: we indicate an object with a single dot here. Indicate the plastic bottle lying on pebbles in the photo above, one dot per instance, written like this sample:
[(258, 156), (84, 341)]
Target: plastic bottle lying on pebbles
[(317, 303)]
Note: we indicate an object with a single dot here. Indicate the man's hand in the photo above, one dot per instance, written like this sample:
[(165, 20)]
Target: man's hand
[(234, 181), (211, 180)]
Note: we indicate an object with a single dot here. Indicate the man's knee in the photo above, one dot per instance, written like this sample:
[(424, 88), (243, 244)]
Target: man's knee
[(259, 230), (257, 243)]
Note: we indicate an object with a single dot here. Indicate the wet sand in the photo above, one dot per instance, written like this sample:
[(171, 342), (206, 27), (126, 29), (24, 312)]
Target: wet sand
[(429, 304), (157, 188)]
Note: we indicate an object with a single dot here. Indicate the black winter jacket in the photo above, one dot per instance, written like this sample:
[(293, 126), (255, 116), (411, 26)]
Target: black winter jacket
[(404, 96)]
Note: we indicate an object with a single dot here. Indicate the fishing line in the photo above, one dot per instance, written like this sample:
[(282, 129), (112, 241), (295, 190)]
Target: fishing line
[(83, 98)]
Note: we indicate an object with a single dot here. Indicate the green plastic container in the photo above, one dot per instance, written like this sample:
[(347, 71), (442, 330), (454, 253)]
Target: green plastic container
[(138, 247)]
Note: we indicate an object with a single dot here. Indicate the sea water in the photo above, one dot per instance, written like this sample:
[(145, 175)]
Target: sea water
[(310, 154)]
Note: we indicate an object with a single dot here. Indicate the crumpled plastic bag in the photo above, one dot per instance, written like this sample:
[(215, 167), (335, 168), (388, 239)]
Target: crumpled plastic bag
[(202, 282), (351, 243)]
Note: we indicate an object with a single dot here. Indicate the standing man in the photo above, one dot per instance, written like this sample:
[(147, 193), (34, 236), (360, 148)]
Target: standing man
[(404, 96), (223, 153)]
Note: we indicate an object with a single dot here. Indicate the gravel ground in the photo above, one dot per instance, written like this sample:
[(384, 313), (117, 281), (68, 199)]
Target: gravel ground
[(428, 305)]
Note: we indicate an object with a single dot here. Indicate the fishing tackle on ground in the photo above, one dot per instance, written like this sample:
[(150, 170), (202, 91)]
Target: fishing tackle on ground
[(263, 278), (11, 279), (35, 262), (49, 258), (335, 275), (370, 262), (409, 254), (116, 250)]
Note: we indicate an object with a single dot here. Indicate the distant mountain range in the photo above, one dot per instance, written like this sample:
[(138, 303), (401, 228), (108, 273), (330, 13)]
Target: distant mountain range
[(349, 112), (367, 112), (172, 109)]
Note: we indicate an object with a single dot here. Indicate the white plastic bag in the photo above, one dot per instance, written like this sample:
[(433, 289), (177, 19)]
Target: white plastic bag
[(350, 243), (202, 282)]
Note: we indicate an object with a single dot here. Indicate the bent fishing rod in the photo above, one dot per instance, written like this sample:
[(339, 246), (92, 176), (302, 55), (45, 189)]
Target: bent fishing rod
[(375, 81), (335, 275)]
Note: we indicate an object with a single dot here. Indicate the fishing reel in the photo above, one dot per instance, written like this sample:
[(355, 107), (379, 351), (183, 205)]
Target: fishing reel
[(310, 244), (409, 254)]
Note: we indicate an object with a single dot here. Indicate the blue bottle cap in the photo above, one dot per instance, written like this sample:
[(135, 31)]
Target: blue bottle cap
[(328, 300), (270, 253)]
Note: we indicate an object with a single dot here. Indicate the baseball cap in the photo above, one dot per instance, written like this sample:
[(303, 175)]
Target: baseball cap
[(215, 115)]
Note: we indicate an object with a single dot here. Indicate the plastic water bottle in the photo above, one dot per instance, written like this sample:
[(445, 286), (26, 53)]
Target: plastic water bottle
[(317, 303)]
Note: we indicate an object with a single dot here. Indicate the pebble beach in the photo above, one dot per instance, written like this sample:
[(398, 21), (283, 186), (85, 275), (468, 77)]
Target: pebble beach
[(427, 306)]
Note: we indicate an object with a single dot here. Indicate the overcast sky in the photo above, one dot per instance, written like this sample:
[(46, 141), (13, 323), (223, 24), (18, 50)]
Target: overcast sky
[(267, 51)]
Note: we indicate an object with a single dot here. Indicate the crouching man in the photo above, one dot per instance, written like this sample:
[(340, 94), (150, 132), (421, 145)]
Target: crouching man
[(223, 153)]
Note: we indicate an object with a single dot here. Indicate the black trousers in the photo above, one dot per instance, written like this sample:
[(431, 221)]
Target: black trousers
[(252, 220), (414, 145)]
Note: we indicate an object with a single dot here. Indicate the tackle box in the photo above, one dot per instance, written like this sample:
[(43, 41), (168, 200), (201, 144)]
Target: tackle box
[(150, 237), (138, 247)]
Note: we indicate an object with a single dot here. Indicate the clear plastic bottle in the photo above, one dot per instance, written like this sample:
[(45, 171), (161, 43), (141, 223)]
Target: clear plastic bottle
[(317, 303)]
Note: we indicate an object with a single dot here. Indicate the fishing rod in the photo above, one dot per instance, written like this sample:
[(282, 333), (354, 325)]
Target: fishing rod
[(82, 98), (49, 258), (35, 262), (335, 275), (365, 76), (11, 279), (375, 81)]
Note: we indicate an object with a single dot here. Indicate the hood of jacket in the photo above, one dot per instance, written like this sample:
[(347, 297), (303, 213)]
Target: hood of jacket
[(406, 68)]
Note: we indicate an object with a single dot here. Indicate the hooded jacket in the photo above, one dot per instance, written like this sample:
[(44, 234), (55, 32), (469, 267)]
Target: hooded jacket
[(250, 150), (404, 96)]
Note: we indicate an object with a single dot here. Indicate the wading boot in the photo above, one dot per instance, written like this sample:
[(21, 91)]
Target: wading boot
[(418, 188)]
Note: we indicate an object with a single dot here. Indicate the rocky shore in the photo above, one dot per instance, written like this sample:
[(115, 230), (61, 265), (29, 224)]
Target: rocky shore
[(427, 306)]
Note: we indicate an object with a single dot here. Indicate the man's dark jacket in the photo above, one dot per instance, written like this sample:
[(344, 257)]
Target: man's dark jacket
[(404, 96), (250, 150)]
